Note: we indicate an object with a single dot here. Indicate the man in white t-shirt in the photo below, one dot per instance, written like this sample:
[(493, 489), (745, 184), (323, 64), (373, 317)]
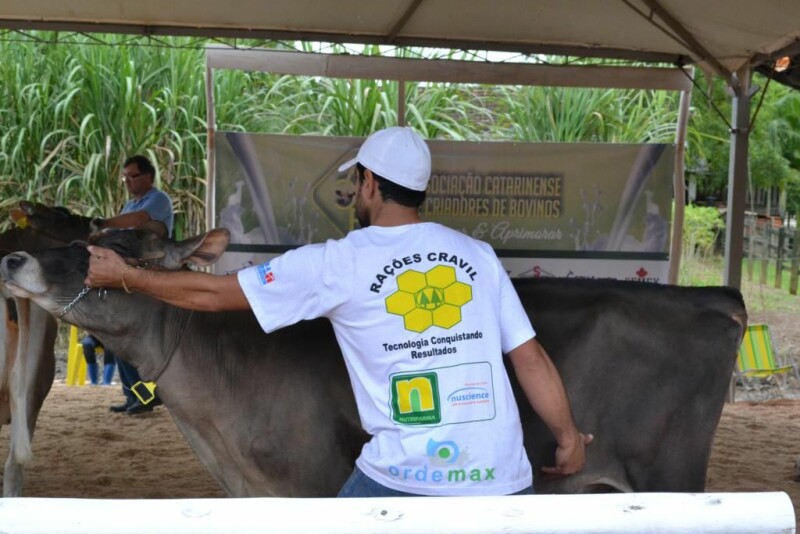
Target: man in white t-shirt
[(423, 315)]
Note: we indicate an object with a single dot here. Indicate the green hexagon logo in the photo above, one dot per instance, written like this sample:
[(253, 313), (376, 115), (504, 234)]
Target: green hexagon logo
[(427, 299)]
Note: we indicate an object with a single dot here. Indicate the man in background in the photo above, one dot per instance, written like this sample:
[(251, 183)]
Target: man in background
[(147, 203)]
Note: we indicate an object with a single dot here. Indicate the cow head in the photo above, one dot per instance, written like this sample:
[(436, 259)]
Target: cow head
[(62, 226), (54, 278), (146, 245)]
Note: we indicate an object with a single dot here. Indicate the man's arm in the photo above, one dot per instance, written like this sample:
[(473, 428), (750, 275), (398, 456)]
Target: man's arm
[(185, 289), (132, 219), (545, 391)]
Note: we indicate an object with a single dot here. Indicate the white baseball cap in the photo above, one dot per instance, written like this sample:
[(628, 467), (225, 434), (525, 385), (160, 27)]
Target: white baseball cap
[(398, 154)]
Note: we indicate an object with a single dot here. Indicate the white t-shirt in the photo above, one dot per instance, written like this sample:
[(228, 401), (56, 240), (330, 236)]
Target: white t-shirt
[(423, 315)]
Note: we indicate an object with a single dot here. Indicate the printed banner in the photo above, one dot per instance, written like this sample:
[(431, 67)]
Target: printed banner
[(579, 208)]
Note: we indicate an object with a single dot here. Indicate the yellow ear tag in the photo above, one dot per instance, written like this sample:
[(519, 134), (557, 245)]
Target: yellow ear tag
[(22, 222)]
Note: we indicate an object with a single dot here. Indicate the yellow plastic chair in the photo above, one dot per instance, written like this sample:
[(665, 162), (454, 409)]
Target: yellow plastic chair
[(76, 364), (758, 359)]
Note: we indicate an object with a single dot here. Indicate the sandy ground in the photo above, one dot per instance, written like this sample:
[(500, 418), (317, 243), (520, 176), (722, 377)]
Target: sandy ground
[(83, 450)]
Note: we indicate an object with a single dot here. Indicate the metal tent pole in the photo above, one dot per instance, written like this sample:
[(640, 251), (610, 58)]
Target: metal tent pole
[(737, 179)]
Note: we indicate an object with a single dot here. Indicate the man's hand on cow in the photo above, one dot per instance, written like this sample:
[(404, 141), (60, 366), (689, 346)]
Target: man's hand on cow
[(105, 268), (570, 457)]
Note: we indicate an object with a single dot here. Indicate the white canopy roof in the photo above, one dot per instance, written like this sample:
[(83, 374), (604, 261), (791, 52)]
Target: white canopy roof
[(725, 34)]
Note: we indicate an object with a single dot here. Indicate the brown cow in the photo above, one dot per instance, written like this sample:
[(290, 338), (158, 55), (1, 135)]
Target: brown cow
[(28, 333), (27, 362)]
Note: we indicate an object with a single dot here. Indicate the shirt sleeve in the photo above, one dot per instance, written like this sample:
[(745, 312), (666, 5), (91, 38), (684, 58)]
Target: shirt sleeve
[(304, 283), (515, 325), (159, 207)]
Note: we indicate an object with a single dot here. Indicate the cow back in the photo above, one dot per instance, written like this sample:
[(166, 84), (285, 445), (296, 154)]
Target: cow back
[(646, 367)]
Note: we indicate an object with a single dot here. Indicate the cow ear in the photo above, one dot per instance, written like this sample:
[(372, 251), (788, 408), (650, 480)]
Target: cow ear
[(201, 250), (26, 207)]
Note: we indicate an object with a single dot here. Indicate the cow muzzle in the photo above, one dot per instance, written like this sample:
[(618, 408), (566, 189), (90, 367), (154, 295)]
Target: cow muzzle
[(12, 264), (21, 275)]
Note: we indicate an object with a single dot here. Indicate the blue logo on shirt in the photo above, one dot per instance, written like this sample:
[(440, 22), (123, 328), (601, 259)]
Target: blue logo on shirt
[(442, 452), (447, 467), (265, 274)]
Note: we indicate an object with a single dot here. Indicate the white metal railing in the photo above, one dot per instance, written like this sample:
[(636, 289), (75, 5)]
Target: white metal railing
[(765, 513)]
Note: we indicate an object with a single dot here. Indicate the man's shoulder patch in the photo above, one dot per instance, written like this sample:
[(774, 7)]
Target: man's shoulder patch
[(265, 274)]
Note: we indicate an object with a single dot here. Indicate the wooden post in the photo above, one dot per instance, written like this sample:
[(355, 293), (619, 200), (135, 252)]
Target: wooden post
[(751, 223), (679, 188), (779, 256), (766, 241), (794, 267)]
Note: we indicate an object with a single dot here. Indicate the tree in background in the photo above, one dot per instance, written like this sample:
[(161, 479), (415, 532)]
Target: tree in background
[(71, 113), (774, 139)]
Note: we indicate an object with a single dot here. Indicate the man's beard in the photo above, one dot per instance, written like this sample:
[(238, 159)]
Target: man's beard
[(361, 214), (363, 220)]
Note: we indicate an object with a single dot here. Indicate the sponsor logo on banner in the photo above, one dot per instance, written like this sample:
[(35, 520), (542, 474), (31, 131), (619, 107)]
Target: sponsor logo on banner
[(656, 271), (641, 276)]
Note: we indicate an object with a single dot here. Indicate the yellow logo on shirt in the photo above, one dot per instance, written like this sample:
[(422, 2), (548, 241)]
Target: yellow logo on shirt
[(415, 399), (433, 298)]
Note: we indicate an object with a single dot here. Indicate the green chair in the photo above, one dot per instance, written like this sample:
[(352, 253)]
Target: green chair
[(758, 361)]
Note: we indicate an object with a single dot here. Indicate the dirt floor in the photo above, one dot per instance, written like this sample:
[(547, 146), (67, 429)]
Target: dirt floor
[(83, 450)]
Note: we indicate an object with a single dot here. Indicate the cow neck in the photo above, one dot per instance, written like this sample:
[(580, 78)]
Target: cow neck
[(178, 320), (101, 294)]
